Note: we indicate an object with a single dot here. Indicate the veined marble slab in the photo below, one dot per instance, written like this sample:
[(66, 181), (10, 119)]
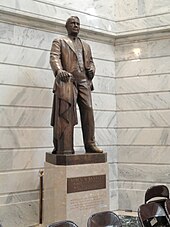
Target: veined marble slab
[(26, 76), (143, 49), (91, 7), (144, 173), (143, 154), (134, 8), (25, 117), (140, 67), (144, 136), (22, 159), (25, 137), (17, 55), (146, 118), (143, 101), (143, 25), (25, 96), (20, 214), (18, 181), (152, 83)]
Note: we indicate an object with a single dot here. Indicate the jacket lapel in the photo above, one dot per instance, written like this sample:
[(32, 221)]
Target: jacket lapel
[(69, 43)]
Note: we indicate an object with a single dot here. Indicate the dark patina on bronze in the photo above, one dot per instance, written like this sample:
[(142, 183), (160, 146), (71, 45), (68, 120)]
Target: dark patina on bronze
[(79, 184), (77, 159)]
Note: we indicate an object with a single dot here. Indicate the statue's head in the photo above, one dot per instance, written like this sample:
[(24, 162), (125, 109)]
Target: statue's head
[(73, 25)]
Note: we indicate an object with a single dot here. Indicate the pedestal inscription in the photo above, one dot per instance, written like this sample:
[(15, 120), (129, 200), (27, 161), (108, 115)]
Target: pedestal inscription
[(78, 184)]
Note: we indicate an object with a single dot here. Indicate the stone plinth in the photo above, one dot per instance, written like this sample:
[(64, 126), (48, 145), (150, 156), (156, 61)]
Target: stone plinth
[(75, 186)]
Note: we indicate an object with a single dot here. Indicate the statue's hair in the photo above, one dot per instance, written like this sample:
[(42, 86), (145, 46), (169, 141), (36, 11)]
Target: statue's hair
[(70, 18)]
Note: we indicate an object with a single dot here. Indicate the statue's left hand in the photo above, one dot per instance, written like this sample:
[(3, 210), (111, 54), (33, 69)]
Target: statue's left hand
[(90, 74)]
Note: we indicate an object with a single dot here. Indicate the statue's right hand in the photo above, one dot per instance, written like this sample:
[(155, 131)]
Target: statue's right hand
[(63, 75)]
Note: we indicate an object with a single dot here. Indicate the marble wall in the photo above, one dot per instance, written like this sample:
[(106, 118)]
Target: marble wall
[(130, 42), (27, 29), (143, 115), (141, 16), (142, 97)]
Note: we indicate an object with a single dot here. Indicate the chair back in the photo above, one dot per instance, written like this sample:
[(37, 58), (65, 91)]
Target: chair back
[(157, 193), (103, 219), (63, 224), (152, 214), (167, 207)]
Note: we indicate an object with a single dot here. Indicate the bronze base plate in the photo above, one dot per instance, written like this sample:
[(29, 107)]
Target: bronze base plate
[(76, 159)]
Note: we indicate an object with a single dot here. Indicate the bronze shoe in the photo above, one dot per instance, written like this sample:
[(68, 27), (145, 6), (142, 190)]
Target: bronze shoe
[(92, 148)]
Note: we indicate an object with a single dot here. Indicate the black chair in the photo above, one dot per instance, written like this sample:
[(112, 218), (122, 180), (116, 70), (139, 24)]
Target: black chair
[(152, 214), (167, 207), (157, 193), (103, 219), (63, 224)]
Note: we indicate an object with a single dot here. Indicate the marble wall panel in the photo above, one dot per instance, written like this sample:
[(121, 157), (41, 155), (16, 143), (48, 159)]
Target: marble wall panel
[(153, 83), (13, 198), (25, 137), (130, 200), (105, 102), (144, 136), (102, 50), (140, 8), (17, 55), (21, 159), (19, 181), (143, 186), (11, 116), (142, 25), (113, 195), (144, 173), (104, 84), (105, 119), (141, 67), (105, 68), (143, 154), (140, 16), (20, 214), (91, 7), (139, 49), (148, 101), (25, 96), (31, 37), (146, 118), (26, 76)]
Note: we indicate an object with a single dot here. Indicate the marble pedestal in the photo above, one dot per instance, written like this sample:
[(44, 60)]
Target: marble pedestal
[(75, 186)]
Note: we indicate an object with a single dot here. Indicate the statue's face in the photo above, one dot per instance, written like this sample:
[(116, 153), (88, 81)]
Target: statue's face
[(73, 26)]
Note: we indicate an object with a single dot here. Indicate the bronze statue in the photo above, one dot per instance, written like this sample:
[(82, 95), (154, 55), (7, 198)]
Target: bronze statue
[(72, 63)]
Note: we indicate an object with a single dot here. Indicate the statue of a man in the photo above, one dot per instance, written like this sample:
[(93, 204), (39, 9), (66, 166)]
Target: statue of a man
[(72, 63)]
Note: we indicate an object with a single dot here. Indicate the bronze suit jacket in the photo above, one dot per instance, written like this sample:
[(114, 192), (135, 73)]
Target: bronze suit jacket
[(63, 56)]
